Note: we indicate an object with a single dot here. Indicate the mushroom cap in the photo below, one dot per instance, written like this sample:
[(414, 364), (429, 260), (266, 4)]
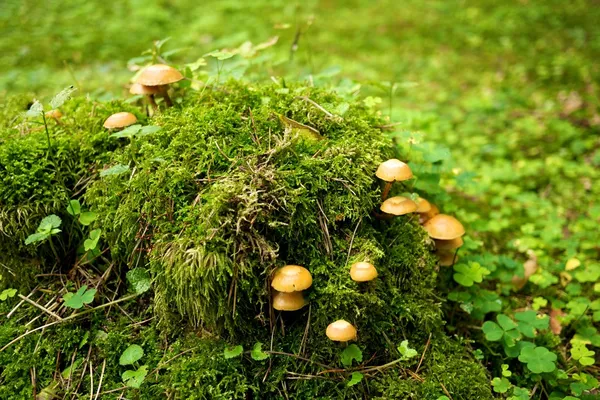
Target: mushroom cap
[(393, 170), (291, 278), (447, 258), (56, 114), (449, 244), (363, 272), (426, 216), (120, 120), (444, 227), (138, 88), (290, 301), (341, 331), (398, 205), (423, 206), (158, 75)]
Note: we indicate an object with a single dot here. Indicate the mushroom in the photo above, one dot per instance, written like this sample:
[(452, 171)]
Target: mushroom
[(54, 114), (398, 205), (449, 244), (291, 278), (423, 206), (390, 171), (427, 215), (148, 91), (160, 76), (290, 301), (444, 227), (363, 272), (341, 331), (120, 120), (447, 258)]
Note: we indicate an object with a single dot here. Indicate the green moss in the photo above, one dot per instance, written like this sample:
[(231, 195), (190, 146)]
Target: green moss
[(222, 195)]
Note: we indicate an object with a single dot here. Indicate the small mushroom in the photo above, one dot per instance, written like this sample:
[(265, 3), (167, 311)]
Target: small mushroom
[(341, 331), (398, 205), (290, 301), (160, 76), (447, 258), (54, 114), (390, 171), (444, 227), (363, 272), (291, 278), (148, 91), (423, 206), (120, 120), (449, 244)]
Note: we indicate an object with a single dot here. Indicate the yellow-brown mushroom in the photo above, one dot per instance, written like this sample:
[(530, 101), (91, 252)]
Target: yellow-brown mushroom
[(363, 272), (444, 227), (390, 171), (291, 278), (341, 331), (398, 205), (288, 301), (160, 76), (120, 120)]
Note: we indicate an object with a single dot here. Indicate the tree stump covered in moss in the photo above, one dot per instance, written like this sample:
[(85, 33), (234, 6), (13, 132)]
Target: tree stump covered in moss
[(242, 180)]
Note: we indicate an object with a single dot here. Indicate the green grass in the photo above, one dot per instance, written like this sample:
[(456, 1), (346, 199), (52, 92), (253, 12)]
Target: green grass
[(511, 88)]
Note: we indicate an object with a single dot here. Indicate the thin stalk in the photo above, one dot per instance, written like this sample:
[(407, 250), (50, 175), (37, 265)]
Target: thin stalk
[(386, 190), (47, 135), (53, 249)]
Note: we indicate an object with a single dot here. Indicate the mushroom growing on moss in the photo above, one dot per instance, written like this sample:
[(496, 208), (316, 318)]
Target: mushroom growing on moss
[(120, 120), (148, 91), (398, 205), (54, 114), (291, 278), (160, 76), (363, 272), (427, 215), (288, 301), (390, 171), (444, 227), (447, 258), (341, 331), (449, 244)]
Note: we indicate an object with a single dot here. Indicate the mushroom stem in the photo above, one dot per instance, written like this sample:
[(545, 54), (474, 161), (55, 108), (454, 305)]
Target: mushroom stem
[(152, 101), (165, 94), (454, 258), (386, 190)]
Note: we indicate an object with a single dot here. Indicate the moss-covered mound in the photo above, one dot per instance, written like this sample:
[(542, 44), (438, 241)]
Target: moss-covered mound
[(234, 185)]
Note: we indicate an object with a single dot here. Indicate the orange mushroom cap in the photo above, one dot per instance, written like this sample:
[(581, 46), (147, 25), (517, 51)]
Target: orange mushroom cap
[(56, 114), (120, 120), (423, 206), (449, 244), (444, 227), (158, 75), (341, 331), (393, 170), (426, 216), (138, 88), (398, 205), (291, 278), (363, 272), (290, 301)]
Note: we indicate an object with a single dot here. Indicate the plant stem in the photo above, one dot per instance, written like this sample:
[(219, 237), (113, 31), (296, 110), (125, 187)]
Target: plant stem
[(386, 190), (53, 249), (47, 135)]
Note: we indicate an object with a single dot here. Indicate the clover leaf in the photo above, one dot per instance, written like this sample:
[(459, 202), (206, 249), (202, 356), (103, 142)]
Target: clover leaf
[(467, 274), (351, 353), (74, 207), (581, 353), (134, 379), (233, 351), (257, 353), (131, 354), (406, 351), (355, 378), (528, 322), (92, 242), (81, 297), (505, 329), (139, 279), (87, 217), (6, 293), (48, 226), (501, 385), (538, 359)]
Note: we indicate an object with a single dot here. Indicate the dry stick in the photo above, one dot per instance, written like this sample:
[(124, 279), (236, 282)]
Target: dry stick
[(33, 303), (446, 391), (352, 241), (87, 360), (280, 353), (113, 390), (305, 336), (21, 302), (70, 317), (423, 355), (101, 377), (91, 381)]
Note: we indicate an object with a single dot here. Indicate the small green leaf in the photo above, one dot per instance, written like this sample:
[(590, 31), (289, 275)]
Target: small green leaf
[(355, 378), (538, 359), (147, 130), (128, 132), (114, 170), (528, 322), (74, 207), (493, 332), (62, 96), (87, 217), (581, 353), (233, 351), (92, 242), (6, 293), (350, 353), (134, 379), (257, 353), (501, 385), (68, 372), (51, 221), (406, 351), (139, 279), (467, 274), (131, 354), (78, 299), (36, 237)]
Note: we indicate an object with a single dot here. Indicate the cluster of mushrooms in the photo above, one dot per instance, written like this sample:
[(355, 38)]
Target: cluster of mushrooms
[(153, 81), (445, 230), (290, 281)]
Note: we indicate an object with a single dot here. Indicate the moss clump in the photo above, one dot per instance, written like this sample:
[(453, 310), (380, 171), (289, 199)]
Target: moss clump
[(226, 192)]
